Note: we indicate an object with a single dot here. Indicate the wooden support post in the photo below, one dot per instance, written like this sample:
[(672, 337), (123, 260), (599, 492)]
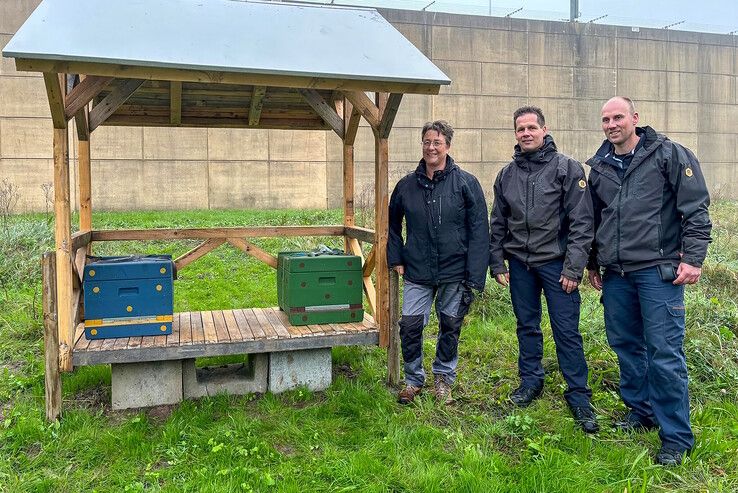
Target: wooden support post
[(85, 186), (63, 237), (381, 225), (348, 168), (393, 349), (52, 377)]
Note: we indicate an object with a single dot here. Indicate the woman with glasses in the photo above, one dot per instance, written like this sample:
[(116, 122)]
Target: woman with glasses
[(443, 257)]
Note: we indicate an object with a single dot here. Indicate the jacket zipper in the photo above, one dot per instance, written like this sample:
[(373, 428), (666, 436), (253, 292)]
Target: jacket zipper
[(527, 226), (617, 248)]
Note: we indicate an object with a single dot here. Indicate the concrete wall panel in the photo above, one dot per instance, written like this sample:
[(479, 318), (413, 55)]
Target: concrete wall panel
[(225, 144), (717, 89), (722, 180), (289, 145), (551, 49), (642, 54), (26, 138), (109, 192), (682, 86), (547, 81), (239, 184), (175, 185), (504, 79), (28, 175), (497, 145), (600, 83), (497, 111), (116, 143), (597, 51), (716, 59), (641, 84), (682, 57), (13, 13), (467, 146), (23, 97), (414, 111), (465, 77), (175, 143), (717, 148), (293, 185), (452, 43), (459, 111), (499, 46)]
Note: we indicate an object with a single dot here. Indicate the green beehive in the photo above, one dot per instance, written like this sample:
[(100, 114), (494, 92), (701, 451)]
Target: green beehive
[(319, 289)]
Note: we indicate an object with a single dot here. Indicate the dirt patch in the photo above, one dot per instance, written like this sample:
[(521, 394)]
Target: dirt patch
[(159, 414), (12, 367), (345, 370), (286, 450), (94, 398)]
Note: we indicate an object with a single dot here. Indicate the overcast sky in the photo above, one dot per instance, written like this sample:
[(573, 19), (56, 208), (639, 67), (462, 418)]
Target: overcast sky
[(719, 16)]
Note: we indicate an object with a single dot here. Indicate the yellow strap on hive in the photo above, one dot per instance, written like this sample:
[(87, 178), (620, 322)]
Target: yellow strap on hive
[(107, 322)]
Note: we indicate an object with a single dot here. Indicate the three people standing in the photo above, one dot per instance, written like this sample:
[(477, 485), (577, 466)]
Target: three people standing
[(639, 223)]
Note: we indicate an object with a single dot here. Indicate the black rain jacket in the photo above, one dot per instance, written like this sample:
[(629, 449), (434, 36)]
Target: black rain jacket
[(447, 228), (655, 213), (542, 212)]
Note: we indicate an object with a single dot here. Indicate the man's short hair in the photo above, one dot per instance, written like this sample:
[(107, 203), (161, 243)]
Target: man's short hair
[(524, 110), (629, 102), (440, 126)]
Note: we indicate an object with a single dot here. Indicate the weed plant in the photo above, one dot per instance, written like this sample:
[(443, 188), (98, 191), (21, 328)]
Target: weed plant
[(353, 436)]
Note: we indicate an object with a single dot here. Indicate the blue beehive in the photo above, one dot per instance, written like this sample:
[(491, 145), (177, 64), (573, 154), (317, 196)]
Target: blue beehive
[(128, 296)]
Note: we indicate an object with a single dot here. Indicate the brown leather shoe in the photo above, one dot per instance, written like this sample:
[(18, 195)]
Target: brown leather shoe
[(442, 391), (408, 394)]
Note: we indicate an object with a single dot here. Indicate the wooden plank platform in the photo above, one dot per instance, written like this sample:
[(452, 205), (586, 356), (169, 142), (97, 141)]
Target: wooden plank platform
[(223, 332)]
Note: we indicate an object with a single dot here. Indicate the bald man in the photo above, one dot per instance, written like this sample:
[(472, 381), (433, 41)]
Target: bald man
[(652, 229)]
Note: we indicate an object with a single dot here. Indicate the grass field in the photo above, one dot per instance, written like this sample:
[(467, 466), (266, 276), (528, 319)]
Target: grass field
[(353, 437)]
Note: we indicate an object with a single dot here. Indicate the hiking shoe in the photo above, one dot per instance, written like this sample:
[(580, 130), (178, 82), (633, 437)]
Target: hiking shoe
[(585, 418), (408, 394), (442, 390), (669, 456), (523, 396), (632, 423)]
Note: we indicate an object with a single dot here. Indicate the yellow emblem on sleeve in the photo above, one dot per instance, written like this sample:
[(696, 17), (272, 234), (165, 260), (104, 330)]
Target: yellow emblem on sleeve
[(582, 184), (688, 171)]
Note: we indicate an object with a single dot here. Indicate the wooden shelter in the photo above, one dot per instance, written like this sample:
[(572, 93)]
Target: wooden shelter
[(219, 63)]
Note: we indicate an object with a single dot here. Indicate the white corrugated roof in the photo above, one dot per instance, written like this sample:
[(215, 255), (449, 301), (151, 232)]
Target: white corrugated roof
[(225, 35)]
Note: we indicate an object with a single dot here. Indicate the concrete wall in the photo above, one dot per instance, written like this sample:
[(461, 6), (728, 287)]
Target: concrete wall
[(684, 84)]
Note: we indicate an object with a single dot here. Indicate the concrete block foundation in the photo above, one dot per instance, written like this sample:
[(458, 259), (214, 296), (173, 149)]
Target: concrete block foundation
[(291, 369), (146, 384), (233, 379)]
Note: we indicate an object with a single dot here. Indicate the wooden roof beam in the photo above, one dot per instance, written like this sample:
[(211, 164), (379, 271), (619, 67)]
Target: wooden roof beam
[(368, 110), (322, 108), (55, 93), (389, 114), (113, 101), (257, 102), (353, 118), (83, 92), (175, 102), (216, 77)]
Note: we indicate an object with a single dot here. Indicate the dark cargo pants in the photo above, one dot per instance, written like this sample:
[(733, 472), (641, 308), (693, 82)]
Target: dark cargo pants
[(644, 320)]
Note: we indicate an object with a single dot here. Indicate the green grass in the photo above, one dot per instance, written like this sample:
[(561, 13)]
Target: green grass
[(353, 437)]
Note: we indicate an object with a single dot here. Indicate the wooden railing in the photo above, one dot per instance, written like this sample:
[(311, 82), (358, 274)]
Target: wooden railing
[(214, 238)]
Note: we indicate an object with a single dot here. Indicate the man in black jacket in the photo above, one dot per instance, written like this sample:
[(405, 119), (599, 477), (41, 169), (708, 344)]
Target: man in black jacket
[(542, 225), (652, 229), (444, 257)]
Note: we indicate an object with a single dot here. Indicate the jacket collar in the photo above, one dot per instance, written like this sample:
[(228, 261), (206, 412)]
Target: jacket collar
[(536, 159), (438, 176), (649, 141)]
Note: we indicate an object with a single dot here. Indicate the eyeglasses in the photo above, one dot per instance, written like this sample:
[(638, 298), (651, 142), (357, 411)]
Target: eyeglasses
[(433, 143)]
